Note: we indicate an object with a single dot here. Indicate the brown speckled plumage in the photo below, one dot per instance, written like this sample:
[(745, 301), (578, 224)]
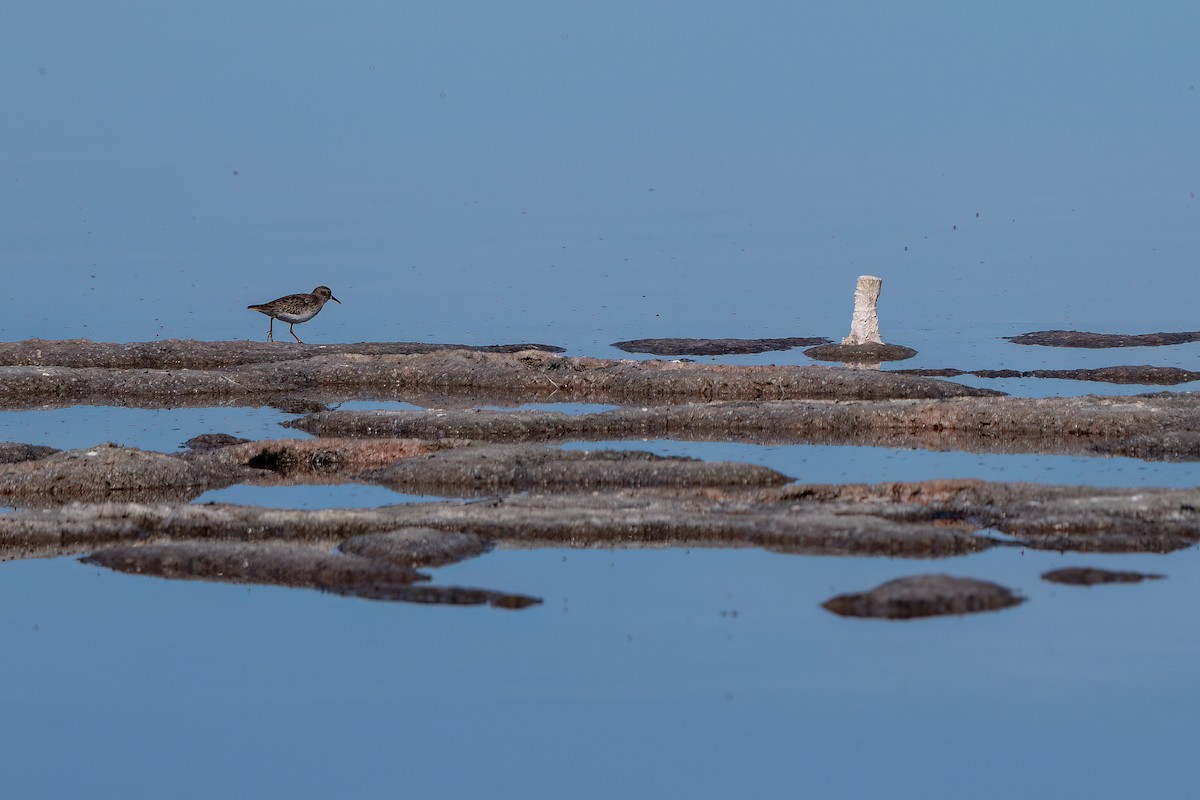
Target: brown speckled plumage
[(294, 309)]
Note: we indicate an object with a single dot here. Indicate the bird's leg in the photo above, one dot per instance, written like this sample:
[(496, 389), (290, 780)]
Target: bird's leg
[(270, 329), (293, 333)]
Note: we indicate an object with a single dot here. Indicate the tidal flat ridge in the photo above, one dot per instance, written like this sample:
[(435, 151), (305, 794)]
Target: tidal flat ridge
[(506, 483)]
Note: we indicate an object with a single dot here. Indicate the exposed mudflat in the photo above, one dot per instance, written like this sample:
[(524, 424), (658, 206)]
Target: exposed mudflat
[(897, 519), (104, 472), (112, 472), (1101, 340), (129, 508), (160, 381), (715, 347), (1154, 426), (506, 469), (198, 354), (691, 500)]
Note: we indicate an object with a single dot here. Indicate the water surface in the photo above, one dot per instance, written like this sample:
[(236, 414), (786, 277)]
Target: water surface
[(706, 673), (578, 175)]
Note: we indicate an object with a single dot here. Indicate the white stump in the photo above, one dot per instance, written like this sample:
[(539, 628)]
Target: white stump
[(864, 325)]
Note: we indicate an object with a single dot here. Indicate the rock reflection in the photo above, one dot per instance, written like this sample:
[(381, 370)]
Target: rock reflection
[(278, 564)]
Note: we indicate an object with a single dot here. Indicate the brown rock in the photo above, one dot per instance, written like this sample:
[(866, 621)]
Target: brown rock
[(530, 374), (870, 353), (102, 473), (13, 452), (1099, 340), (193, 354), (320, 457), (1162, 426), (1090, 576), (1133, 375), (505, 469), (924, 596), (212, 441)]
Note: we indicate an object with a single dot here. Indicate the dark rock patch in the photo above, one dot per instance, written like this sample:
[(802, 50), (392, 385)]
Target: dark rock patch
[(15, 452), (860, 353), (287, 461), (714, 347), (1102, 340), (212, 441), (924, 596), (492, 469), (1091, 576), (316, 459)]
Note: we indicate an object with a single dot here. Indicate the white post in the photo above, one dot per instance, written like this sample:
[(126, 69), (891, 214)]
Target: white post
[(864, 325)]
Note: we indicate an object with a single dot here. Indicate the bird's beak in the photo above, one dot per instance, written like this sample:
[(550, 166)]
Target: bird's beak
[(334, 299)]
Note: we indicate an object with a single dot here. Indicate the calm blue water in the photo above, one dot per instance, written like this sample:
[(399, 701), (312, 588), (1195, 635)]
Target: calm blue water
[(578, 175), (342, 495), (150, 429), (475, 173), (644, 674)]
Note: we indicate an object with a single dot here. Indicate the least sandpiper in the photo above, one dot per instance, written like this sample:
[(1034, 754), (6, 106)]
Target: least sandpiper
[(294, 309)]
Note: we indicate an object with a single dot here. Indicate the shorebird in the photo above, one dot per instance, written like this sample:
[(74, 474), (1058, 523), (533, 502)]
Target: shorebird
[(294, 309)]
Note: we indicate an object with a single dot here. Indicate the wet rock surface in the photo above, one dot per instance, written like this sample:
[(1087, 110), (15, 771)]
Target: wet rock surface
[(134, 516), (213, 441), (1037, 516), (710, 518), (373, 553), (204, 355), (1102, 340), (870, 353), (924, 596), (1157, 426), (111, 472), (930, 518), (533, 374), (308, 460), (715, 347), (14, 452), (1135, 375), (106, 472), (454, 467), (507, 469), (1091, 576)]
